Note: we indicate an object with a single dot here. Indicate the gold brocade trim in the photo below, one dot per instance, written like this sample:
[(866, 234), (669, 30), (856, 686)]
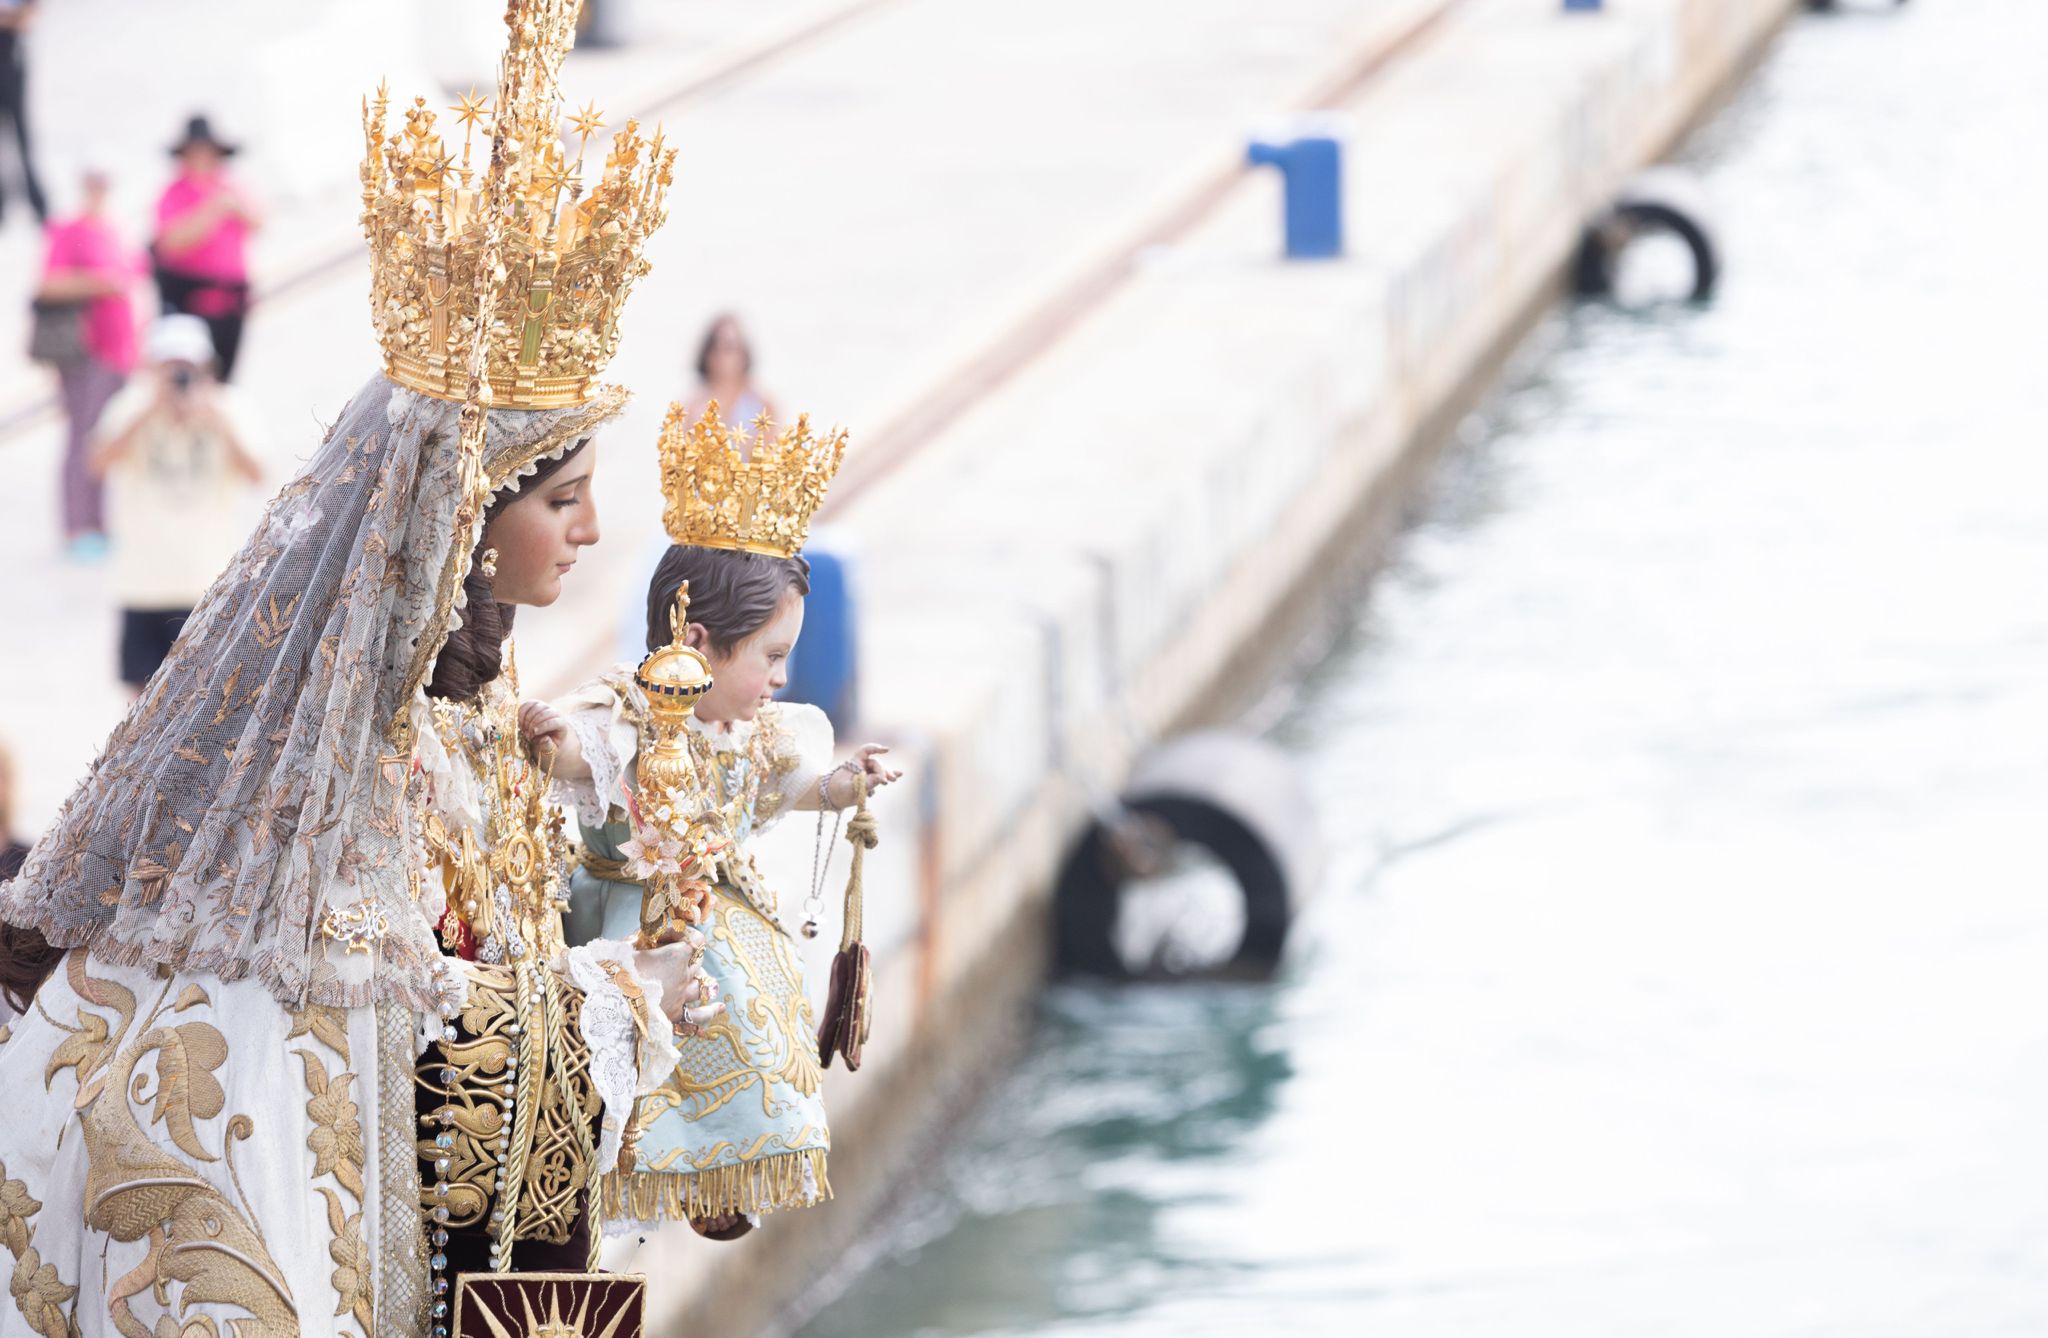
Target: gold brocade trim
[(725, 1146), (473, 1104), (607, 870), (563, 1151), (42, 1297), (544, 392), (337, 1146), (742, 1187), (548, 1150), (404, 1278)]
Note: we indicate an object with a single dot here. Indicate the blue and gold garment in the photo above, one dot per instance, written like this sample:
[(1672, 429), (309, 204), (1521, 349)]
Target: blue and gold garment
[(740, 1126)]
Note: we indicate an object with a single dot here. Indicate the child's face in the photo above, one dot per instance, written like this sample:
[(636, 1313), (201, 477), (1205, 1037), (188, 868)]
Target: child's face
[(758, 667)]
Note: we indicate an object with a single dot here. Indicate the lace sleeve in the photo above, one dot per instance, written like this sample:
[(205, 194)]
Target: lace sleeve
[(632, 1049), (801, 748), (591, 800), (600, 716)]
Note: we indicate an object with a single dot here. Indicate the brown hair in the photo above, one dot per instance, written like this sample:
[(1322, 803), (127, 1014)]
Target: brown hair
[(26, 958), (733, 594), (475, 651)]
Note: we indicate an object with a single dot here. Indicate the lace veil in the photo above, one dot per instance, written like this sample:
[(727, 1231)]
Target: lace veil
[(256, 788)]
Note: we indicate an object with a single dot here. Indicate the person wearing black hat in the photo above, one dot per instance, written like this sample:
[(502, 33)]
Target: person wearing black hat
[(15, 16), (201, 250)]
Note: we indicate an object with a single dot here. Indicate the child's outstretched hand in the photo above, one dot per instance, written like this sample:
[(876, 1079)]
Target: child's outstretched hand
[(867, 763), (554, 744)]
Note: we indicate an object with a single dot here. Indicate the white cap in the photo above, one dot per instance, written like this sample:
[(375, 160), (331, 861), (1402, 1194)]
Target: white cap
[(178, 338)]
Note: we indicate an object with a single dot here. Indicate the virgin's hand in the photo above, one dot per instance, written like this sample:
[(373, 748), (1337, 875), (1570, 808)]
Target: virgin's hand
[(547, 732), (673, 968)]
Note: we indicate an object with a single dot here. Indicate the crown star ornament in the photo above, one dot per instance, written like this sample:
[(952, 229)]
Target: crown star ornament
[(756, 495), (566, 256)]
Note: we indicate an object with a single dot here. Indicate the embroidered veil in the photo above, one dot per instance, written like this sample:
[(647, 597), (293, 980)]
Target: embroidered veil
[(255, 787)]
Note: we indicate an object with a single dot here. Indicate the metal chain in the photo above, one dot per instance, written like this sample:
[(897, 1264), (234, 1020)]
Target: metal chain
[(821, 853)]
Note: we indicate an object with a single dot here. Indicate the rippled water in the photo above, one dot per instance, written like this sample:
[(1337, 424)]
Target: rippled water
[(1684, 964)]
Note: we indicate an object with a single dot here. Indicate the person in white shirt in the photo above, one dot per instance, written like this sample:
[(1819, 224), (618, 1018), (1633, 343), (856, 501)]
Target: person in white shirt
[(174, 447)]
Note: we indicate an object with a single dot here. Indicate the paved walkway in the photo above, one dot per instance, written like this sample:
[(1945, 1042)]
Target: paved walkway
[(877, 200)]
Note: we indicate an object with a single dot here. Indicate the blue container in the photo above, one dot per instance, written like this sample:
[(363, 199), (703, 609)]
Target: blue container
[(824, 667), (1311, 170), (1585, 6)]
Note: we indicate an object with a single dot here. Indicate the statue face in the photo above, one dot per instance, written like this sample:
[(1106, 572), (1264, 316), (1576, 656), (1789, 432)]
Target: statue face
[(758, 667), (539, 536)]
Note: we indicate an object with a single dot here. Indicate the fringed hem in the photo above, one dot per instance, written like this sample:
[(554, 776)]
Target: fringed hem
[(436, 992), (791, 1180)]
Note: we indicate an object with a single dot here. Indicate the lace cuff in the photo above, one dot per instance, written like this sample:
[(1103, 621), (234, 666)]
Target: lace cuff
[(591, 800), (602, 716), (631, 1051), (802, 749)]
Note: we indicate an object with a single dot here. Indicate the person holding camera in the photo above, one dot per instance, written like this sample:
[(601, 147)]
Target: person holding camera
[(175, 450)]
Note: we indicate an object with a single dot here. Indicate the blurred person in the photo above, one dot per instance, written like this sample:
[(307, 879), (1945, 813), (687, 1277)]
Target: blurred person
[(725, 375), (204, 220), (86, 261), (15, 18), (174, 448)]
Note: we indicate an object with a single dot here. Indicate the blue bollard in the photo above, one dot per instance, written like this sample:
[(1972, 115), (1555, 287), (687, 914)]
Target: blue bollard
[(1311, 171), (823, 668), (606, 23)]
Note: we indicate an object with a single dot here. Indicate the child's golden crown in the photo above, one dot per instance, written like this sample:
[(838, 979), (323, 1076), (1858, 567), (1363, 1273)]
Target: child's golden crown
[(568, 256), (726, 491)]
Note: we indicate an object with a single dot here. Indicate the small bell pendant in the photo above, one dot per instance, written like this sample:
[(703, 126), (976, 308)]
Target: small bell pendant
[(810, 928)]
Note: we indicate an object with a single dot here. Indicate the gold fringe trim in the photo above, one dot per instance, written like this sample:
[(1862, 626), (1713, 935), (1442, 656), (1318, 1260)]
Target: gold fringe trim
[(741, 1187)]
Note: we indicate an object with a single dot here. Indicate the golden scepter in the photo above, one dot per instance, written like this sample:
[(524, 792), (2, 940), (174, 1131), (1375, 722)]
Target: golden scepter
[(674, 678)]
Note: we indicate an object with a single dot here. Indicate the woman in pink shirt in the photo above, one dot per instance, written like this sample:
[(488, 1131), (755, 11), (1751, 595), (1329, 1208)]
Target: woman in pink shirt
[(203, 222), (84, 259)]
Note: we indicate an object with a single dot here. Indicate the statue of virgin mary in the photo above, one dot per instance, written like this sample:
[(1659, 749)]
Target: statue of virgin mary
[(300, 1043)]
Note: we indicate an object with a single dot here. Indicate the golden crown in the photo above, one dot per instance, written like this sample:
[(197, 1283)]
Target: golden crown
[(566, 257), (725, 490)]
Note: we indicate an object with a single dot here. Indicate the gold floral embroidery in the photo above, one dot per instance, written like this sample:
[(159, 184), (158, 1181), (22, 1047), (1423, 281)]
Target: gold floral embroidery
[(134, 1190), (38, 1292), (722, 1061), (41, 1295), (337, 1146)]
